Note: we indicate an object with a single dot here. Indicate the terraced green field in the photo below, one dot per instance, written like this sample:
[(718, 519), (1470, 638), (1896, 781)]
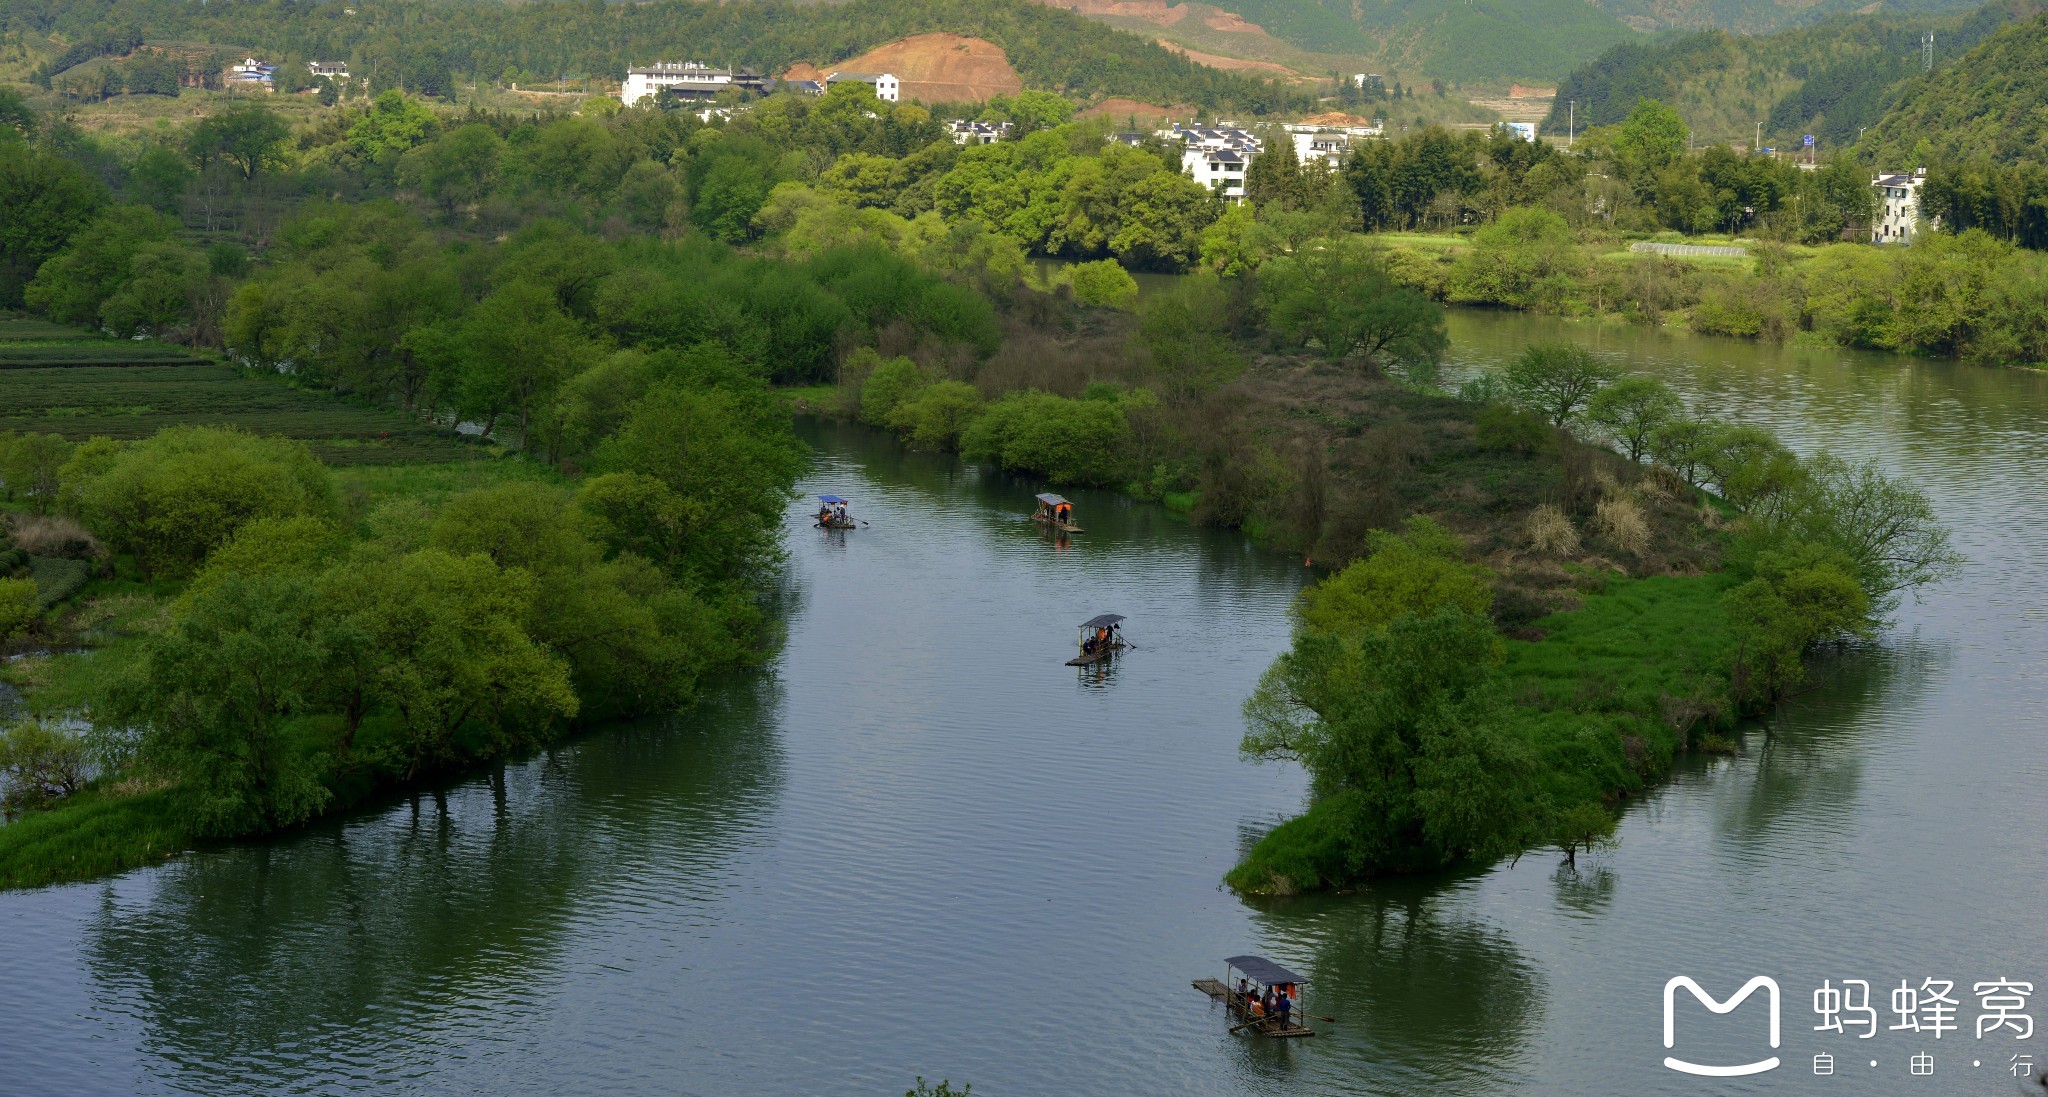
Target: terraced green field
[(133, 401)]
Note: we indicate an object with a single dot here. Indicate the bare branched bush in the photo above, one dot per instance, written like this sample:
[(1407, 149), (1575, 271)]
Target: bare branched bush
[(1551, 532), (53, 535), (1709, 517), (1622, 522)]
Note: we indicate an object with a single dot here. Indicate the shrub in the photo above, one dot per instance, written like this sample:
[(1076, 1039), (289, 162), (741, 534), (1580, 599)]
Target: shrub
[(1069, 441), (54, 535), (19, 607), (1103, 284), (888, 384), (1621, 521), (38, 764), (1507, 429), (937, 415), (1551, 532), (1412, 573)]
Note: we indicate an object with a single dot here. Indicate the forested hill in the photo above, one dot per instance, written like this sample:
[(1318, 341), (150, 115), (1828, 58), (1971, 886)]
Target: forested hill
[(1761, 16), (1991, 104), (432, 46), (1832, 79)]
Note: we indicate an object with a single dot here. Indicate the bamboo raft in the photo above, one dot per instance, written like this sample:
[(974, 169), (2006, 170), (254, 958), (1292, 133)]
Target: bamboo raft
[(1264, 1026), (1096, 656), (1056, 524)]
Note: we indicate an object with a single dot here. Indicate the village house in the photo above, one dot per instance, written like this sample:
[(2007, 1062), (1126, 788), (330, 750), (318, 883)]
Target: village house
[(688, 80), (886, 87), (1329, 146), (1897, 219), (333, 70), (252, 73), (965, 132)]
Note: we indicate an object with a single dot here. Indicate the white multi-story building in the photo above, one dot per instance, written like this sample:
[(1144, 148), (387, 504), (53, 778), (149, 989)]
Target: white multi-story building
[(333, 70), (1220, 170), (688, 80), (887, 88), (1898, 207)]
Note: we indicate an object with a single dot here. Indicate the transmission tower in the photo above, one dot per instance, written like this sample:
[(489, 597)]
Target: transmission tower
[(1927, 52)]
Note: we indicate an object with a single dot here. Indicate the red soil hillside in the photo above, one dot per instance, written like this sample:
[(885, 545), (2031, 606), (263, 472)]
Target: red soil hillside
[(936, 68), (1121, 110)]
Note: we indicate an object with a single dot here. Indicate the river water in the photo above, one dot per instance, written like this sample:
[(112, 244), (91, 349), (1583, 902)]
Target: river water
[(918, 844)]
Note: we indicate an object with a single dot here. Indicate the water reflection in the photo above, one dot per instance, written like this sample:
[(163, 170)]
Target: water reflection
[(1419, 991), (1585, 888), (446, 911)]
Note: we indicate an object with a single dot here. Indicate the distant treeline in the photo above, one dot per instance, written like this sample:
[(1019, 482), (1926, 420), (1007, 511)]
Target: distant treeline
[(429, 47)]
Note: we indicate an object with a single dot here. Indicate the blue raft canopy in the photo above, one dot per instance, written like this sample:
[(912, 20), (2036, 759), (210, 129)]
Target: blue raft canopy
[(1263, 971), (833, 499)]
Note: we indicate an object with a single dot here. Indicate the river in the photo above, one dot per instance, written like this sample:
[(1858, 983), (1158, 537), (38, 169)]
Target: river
[(917, 844)]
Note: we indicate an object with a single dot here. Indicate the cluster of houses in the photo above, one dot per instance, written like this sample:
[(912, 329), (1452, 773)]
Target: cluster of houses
[(251, 73), (965, 132), (690, 80)]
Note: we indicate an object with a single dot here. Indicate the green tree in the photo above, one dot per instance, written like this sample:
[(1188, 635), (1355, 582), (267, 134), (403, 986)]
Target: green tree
[(30, 464), (250, 137), (171, 499), (1340, 296), (223, 698), (1557, 380), (1409, 745), (1586, 826), (38, 764), (1183, 333), (1413, 573), (45, 200), (1631, 411), (1526, 258), (1651, 138), (392, 125), (457, 170), (518, 349), (72, 286)]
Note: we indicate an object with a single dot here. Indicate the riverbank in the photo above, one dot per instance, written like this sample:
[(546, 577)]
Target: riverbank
[(1969, 297)]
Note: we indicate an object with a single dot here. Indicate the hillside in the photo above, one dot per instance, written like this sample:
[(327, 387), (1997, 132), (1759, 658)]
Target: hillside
[(1760, 16), (1462, 41), (1992, 103), (435, 48), (934, 68), (1832, 79)]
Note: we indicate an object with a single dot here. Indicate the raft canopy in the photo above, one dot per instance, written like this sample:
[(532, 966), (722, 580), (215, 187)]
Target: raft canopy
[(1263, 971), (833, 499), (1050, 499), (1105, 621)]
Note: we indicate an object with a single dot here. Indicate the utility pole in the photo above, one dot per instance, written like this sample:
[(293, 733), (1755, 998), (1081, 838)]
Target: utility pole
[(1571, 126), (1759, 142)]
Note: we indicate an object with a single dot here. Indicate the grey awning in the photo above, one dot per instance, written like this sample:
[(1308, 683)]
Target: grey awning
[(1263, 971), (1103, 621), (1050, 499)]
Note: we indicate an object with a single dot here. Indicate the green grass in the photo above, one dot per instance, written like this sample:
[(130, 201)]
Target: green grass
[(31, 354), (15, 328), (434, 483), (126, 402), (92, 834)]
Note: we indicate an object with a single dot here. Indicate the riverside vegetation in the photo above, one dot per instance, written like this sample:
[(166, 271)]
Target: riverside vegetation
[(611, 295)]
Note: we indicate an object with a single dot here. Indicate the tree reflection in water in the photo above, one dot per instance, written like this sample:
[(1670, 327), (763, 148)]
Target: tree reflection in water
[(342, 952), (1425, 998)]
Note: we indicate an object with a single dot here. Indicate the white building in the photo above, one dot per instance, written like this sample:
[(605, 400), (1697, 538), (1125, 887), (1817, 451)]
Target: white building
[(965, 132), (252, 71), (688, 80), (1524, 130), (1898, 208), (887, 89), (1329, 146), (1219, 170), (333, 70)]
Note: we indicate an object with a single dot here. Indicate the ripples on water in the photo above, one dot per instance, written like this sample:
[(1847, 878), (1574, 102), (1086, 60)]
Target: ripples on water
[(920, 845)]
